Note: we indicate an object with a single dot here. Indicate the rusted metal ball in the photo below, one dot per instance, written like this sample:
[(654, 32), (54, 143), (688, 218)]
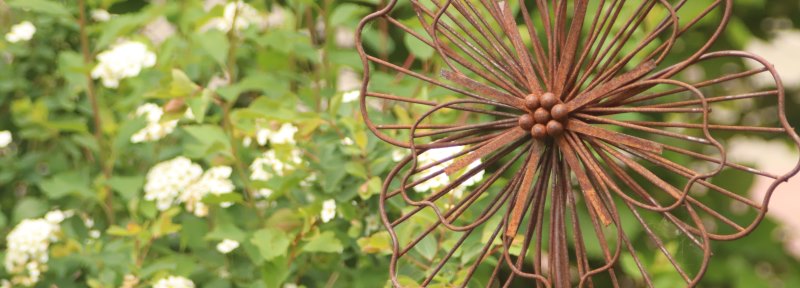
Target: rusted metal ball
[(548, 100), (539, 131), (559, 112), (526, 122), (554, 128), (532, 102), (541, 116)]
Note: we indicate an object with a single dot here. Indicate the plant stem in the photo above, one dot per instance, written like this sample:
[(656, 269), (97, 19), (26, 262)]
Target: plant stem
[(230, 69), (98, 123)]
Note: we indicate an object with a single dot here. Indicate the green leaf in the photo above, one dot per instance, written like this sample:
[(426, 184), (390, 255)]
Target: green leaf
[(226, 230), (376, 243), (418, 48), (123, 25), (223, 198), (274, 273), (75, 182), (127, 186), (181, 85), (3, 220), (371, 187), (324, 242), (427, 247), (267, 84), (206, 141), (29, 208), (346, 13), (356, 169), (199, 105), (41, 6), (271, 243), (164, 224), (215, 44)]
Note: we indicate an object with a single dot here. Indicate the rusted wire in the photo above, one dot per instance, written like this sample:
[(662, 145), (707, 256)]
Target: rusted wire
[(571, 123)]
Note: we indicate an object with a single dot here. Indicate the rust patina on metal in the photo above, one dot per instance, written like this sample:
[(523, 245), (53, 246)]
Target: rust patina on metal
[(583, 129)]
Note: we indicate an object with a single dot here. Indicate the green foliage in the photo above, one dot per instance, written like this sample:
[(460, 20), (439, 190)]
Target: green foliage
[(73, 149)]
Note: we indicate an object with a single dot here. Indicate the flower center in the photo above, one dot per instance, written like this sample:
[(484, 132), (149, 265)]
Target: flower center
[(545, 117)]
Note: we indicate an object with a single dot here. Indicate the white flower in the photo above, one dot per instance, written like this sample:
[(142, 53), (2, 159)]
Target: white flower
[(309, 180), (475, 178), (5, 138), (284, 135), (276, 164), (781, 52), (155, 129), (57, 216), (348, 80), (430, 157), (21, 32), (123, 60), (129, 281), (88, 222), (372, 223), (262, 136), (174, 282), (345, 37), (181, 181), (328, 210), (159, 30), (227, 245), (398, 155), (215, 181), (351, 96), (346, 141), (289, 285), (442, 179), (264, 193), (94, 233), (167, 180), (276, 17), (27, 249), (244, 16), (100, 15)]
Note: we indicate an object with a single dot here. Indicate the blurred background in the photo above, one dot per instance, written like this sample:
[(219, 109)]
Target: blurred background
[(201, 143)]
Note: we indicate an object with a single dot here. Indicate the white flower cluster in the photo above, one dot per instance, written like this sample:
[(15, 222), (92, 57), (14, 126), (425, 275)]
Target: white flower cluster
[(270, 164), (441, 180), (238, 15), (328, 210), (351, 96), (227, 245), (398, 155), (21, 32), (309, 180), (215, 181), (782, 52), (174, 282), (124, 60), (284, 135), (27, 247), (275, 164), (100, 15), (129, 281), (181, 181), (5, 138), (155, 129)]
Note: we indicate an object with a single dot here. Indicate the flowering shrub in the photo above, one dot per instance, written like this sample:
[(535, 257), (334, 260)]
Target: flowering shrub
[(202, 143)]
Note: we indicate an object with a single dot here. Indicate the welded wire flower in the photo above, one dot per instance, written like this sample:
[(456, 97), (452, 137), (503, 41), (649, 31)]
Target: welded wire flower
[(545, 136)]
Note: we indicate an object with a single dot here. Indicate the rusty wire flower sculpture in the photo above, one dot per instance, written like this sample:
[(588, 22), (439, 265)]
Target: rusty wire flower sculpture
[(555, 131)]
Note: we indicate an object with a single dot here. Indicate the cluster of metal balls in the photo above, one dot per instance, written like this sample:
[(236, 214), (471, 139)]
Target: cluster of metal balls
[(546, 116)]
